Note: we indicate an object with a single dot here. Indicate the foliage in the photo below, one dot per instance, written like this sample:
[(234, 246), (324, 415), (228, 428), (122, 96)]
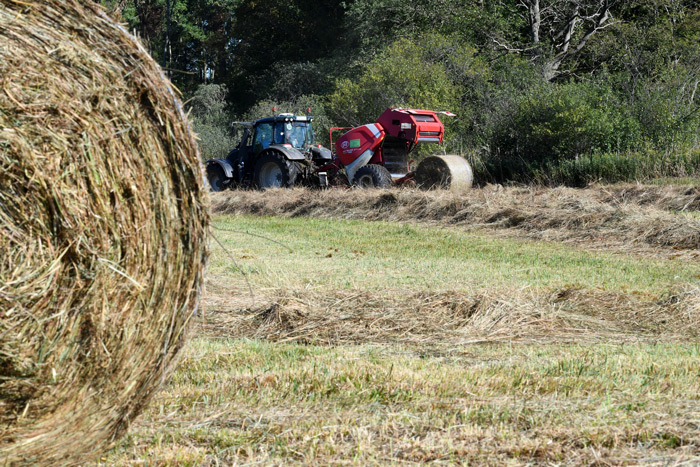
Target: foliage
[(609, 167), (554, 123), (488, 103), (211, 121), (667, 109), (616, 167), (271, 35), (424, 73), (585, 78), (193, 39)]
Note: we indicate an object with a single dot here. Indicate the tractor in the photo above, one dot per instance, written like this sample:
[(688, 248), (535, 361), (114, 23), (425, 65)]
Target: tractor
[(278, 151), (281, 151)]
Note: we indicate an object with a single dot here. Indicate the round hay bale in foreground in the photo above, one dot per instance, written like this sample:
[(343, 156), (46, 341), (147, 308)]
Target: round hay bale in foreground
[(450, 172), (102, 230)]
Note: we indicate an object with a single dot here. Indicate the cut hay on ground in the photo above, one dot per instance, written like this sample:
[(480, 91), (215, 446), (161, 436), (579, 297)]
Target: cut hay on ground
[(102, 230), (455, 319), (650, 219)]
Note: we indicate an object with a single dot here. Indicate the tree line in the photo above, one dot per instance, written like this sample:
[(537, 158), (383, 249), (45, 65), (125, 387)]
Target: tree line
[(554, 91)]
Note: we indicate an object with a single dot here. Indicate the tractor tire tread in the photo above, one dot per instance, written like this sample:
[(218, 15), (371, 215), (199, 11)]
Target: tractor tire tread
[(214, 172), (290, 169), (381, 178)]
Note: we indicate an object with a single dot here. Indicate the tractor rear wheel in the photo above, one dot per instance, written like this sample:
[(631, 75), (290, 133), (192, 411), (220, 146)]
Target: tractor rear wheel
[(274, 170), (217, 178), (372, 176)]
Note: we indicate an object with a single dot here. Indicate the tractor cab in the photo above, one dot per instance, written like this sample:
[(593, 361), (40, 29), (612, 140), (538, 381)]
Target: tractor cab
[(285, 129)]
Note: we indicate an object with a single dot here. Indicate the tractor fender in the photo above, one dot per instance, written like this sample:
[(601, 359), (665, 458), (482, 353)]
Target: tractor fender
[(224, 164), (290, 153)]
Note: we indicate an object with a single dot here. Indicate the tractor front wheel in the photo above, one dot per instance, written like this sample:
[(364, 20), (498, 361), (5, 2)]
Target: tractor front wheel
[(372, 176), (274, 170), (217, 178)]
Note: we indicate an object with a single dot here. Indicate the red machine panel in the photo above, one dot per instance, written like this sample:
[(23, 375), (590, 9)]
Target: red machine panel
[(413, 125), (356, 141)]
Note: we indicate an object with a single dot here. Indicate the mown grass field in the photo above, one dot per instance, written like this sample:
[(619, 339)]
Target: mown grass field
[(383, 255), (395, 343)]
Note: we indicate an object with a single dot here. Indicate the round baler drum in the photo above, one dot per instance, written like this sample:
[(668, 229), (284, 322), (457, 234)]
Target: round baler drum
[(450, 172), (103, 230)]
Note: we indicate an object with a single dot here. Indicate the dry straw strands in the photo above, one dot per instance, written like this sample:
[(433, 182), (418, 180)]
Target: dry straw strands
[(102, 230), (456, 318)]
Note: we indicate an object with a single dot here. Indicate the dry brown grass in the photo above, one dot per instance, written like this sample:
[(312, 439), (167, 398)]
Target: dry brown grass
[(628, 217), (102, 230), (455, 318)]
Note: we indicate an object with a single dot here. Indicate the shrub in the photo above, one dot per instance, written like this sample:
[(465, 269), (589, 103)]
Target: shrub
[(558, 126), (211, 121), (565, 122), (404, 75)]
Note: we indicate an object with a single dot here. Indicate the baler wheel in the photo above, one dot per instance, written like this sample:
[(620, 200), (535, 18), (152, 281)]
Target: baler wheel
[(372, 176)]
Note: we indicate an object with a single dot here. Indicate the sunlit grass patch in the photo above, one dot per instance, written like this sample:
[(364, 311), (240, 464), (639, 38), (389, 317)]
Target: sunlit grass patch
[(254, 401), (370, 255), (380, 343)]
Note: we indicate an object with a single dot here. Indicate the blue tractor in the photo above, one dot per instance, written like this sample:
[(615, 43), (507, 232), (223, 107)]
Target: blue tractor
[(278, 151)]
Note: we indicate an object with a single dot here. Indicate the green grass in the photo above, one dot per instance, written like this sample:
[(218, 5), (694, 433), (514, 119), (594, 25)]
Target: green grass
[(689, 214), (677, 181), (380, 255), (251, 401), (632, 166)]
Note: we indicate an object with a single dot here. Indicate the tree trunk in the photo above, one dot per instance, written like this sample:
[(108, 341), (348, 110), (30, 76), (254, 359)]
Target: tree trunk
[(535, 21), (166, 45)]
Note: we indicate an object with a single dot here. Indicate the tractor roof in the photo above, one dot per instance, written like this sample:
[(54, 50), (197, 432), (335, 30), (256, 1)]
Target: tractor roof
[(277, 118), (285, 118)]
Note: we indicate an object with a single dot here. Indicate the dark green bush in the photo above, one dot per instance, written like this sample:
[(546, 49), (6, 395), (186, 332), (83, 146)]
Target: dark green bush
[(610, 167), (559, 123)]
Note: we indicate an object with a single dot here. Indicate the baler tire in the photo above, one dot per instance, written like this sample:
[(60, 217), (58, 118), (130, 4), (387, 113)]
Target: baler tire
[(372, 176), (274, 170), (216, 178)]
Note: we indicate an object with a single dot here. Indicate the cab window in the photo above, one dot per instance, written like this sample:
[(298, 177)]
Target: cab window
[(280, 133), (299, 134), (263, 137)]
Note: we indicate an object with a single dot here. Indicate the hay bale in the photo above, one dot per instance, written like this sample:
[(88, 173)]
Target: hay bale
[(449, 172), (102, 230)]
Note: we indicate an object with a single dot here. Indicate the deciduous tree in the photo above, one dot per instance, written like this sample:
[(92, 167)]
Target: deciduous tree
[(559, 29)]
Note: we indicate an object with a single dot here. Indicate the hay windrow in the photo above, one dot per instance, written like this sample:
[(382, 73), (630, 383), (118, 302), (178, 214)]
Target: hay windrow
[(102, 230), (656, 220), (457, 318)]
